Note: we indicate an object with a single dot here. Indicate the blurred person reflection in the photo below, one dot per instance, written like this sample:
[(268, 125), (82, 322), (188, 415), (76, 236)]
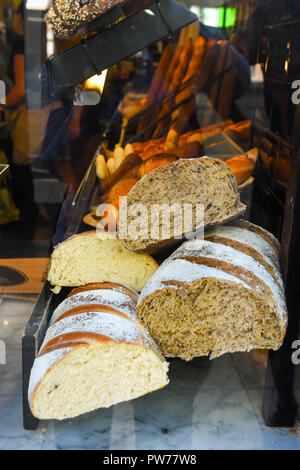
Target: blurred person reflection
[(16, 114)]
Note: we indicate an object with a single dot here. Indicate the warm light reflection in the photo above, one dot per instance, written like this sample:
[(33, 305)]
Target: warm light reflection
[(286, 66), (96, 82), (266, 65), (5, 322), (38, 4)]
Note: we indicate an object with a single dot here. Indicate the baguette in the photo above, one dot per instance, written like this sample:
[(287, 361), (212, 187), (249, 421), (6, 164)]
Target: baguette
[(177, 78), (156, 161), (242, 167), (156, 84), (193, 69)]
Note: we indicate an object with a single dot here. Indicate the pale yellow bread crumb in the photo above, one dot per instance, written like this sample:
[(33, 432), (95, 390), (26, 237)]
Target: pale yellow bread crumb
[(94, 376), (93, 257)]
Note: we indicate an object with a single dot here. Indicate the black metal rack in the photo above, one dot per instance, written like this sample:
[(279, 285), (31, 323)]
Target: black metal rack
[(128, 36)]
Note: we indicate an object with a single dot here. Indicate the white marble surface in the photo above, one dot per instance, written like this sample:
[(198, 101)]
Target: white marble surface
[(207, 405)]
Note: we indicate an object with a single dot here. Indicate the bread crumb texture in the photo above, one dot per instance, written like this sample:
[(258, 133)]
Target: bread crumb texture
[(201, 181), (95, 376), (86, 258), (210, 298)]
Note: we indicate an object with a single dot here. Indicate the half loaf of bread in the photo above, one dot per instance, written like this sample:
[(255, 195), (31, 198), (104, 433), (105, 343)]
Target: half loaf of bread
[(95, 354), (156, 200), (95, 256), (222, 294)]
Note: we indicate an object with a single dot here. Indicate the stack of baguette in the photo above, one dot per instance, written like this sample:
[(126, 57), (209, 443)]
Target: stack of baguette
[(195, 65)]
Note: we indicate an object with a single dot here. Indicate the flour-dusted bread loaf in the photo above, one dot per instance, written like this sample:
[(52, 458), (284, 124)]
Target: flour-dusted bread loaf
[(222, 294), (107, 294), (95, 354), (200, 183), (95, 256)]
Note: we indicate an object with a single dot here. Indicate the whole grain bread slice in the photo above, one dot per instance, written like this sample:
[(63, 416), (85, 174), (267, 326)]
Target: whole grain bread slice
[(202, 182)]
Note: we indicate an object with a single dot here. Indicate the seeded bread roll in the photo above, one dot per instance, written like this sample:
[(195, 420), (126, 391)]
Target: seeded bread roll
[(95, 354), (202, 182), (66, 16), (96, 257), (218, 295)]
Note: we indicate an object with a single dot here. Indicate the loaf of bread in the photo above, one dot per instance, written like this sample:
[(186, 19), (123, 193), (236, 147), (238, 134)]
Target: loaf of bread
[(156, 161), (176, 81), (154, 146), (218, 295), (240, 130), (242, 167), (156, 86), (120, 189), (97, 256), (201, 181), (194, 67), (95, 354)]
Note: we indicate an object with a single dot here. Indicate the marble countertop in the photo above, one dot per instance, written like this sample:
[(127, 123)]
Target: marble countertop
[(207, 405)]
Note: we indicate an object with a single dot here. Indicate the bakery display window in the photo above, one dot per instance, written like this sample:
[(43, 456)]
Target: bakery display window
[(149, 224)]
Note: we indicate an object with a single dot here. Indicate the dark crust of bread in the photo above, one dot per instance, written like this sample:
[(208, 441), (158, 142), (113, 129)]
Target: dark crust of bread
[(91, 308), (67, 340), (241, 273), (248, 250), (156, 161), (104, 285), (255, 229)]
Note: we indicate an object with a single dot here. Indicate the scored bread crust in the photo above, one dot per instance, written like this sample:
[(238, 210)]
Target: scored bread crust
[(105, 285), (269, 237), (202, 260), (86, 325), (68, 340), (105, 297), (191, 181), (91, 308), (102, 323)]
